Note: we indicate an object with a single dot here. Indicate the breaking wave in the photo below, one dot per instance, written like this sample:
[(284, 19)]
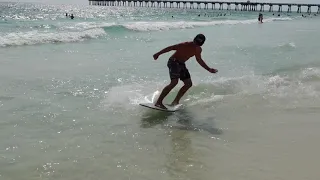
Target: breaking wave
[(42, 37)]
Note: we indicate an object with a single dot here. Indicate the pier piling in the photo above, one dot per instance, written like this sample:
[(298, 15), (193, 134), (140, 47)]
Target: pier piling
[(271, 8)]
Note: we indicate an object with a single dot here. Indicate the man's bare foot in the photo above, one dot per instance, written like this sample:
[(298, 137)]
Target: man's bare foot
[(160, 106), (174, 103)]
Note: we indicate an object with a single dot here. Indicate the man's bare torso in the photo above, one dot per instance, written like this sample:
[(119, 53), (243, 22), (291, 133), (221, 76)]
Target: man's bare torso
[(185, 51)]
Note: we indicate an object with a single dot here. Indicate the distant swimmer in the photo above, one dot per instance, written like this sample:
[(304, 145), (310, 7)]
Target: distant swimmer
[(260, 18), (177, 67), (72, 17), (66, 14)]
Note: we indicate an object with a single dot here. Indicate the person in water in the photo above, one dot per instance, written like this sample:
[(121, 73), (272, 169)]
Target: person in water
[(177, 67), (260, 18)]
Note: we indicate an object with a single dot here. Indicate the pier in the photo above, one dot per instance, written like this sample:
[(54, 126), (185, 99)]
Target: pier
[(214, 5)]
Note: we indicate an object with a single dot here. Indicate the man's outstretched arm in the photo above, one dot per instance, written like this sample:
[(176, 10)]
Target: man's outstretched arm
[(202, 63), (165, 50)]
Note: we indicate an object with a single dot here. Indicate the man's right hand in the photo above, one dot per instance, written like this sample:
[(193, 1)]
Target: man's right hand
[(213, 70)]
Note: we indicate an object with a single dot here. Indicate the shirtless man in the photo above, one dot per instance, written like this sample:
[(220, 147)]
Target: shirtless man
[(260, 18), (177, 67)]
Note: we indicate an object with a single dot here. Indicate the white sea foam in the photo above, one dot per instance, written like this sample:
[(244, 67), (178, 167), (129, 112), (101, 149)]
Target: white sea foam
[(288, 45), (89, 25), (215, 90), (158, 26), (41, 37), (163, 25), (310, 74), (91, 30)]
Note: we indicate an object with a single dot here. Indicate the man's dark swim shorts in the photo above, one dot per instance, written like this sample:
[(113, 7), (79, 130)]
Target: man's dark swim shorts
[(178, 70)]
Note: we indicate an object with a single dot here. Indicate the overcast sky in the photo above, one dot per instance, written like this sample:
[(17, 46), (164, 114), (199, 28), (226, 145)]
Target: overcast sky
[(85, 2)]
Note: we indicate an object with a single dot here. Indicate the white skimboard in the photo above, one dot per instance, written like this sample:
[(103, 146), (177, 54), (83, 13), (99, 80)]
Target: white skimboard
[(169, 108)]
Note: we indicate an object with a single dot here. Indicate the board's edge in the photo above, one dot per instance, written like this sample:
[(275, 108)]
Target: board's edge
[(158, 109)]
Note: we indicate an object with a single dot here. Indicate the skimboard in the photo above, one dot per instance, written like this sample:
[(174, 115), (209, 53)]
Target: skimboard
[(169, 108)]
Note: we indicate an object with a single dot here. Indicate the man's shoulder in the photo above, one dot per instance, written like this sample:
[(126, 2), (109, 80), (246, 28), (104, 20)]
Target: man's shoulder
[(198, 49), (184, 43)]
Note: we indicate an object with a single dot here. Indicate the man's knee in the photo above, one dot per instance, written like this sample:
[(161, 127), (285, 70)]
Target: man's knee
[(188, 83), (174, 82)]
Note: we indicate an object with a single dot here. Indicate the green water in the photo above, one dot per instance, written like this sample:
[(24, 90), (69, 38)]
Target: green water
[(70, 90)]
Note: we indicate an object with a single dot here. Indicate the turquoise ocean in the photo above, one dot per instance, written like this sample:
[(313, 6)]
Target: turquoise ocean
[(70, 89)]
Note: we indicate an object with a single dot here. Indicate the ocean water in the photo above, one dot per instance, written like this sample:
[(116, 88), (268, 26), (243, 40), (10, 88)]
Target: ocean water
[(70, 90)]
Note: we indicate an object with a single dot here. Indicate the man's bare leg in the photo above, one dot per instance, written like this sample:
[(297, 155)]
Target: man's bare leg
[(182, 91), (165, 92)]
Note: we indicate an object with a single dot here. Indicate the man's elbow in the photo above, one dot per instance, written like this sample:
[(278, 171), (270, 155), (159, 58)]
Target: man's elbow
[(199, 60), (167, 49)]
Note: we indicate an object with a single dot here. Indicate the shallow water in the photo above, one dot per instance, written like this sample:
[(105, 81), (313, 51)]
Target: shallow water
[(70, 90)]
